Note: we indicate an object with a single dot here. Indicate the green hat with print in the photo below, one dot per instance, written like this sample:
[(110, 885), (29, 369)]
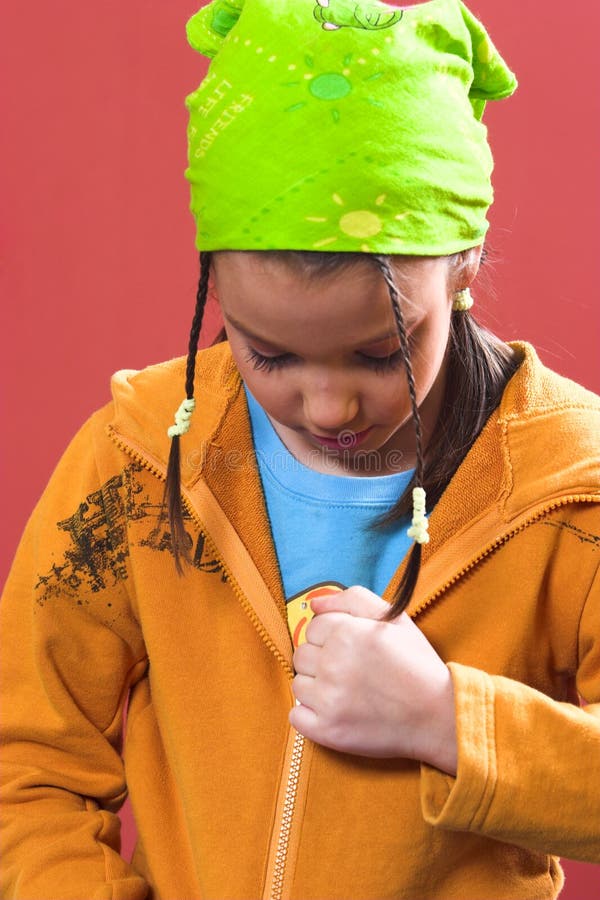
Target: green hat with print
[(342, 125)]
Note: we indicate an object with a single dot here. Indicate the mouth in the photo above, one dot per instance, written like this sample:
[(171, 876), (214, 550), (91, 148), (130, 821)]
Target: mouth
[(345, 440)]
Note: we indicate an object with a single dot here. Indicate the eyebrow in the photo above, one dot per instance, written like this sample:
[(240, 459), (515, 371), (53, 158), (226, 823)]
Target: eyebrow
[(256, 337)]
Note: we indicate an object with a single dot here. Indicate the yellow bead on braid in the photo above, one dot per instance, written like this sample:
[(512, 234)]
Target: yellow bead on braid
[(420, 523), (182, 418)]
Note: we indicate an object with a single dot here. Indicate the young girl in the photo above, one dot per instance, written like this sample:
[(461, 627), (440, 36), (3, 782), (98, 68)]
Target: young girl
[(351, 594)]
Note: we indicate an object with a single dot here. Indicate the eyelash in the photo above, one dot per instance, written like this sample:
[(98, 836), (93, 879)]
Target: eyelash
[(381, 365)]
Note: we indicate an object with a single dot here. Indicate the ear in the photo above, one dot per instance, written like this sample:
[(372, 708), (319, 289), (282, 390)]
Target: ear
[(465, 269)]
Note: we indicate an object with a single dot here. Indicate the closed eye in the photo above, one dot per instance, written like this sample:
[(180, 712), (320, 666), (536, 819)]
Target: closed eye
[(268, 363), (383, 364), (379, 364)]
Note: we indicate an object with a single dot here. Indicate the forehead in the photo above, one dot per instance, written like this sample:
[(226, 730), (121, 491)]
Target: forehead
[(307, 266), (351, 301)]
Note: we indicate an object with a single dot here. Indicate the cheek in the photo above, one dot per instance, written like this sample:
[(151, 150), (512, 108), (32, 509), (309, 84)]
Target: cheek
[(273, 396), (389, 401), (270, 389), (390, 398)]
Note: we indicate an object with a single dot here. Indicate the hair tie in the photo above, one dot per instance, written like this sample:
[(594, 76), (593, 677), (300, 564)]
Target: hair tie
[(420, 523), (463, 300), (182, 418)]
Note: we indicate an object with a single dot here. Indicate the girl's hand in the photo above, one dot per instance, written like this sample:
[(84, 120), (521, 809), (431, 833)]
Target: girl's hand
[(373, 688)]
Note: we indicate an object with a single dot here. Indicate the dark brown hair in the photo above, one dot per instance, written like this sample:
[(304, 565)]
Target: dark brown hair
[(479, 367)]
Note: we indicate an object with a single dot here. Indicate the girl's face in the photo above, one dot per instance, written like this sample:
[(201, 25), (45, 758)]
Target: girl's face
[(322, 356)]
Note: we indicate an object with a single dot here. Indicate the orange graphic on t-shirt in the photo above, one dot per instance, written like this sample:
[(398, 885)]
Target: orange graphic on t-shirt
[(299, 611)]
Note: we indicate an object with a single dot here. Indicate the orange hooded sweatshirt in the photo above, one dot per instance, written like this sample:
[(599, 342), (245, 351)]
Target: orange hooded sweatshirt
[(231, 803)]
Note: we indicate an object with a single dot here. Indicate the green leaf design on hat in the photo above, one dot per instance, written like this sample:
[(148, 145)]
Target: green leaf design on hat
[(335, 14)]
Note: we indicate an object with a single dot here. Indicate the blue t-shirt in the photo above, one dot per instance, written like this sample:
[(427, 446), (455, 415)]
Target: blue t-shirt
[(320, 522)]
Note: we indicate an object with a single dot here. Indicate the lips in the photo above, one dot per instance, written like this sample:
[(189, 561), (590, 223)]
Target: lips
[(345, 440)]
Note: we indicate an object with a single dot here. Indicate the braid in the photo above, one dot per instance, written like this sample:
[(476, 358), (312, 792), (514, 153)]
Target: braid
[(411, 573), (172, 495), (201, 297), (386, 271)]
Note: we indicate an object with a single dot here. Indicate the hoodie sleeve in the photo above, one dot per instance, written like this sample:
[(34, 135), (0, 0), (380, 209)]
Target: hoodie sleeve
[(528, 766), (71, 650)]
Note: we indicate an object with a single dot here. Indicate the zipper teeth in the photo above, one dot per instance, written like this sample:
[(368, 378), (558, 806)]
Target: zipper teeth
[(286, 818), (134, 455), (213, 548), (239, 594), (575, 498)]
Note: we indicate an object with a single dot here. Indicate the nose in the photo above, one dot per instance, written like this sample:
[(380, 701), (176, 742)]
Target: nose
[(328, 409)]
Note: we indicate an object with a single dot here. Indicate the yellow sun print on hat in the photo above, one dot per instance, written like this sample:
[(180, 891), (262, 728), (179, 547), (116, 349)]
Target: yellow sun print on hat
[(360, 224)]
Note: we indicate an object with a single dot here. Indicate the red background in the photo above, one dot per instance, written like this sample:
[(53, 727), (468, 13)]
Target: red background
[(100, 268)]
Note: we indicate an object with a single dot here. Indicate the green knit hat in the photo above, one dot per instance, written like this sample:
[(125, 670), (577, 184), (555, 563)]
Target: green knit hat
[(342, 125)]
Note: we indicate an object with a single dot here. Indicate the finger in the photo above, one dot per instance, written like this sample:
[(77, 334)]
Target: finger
[(304, 720), (356, 601), (320, 627), (305, 659), (304, 689)]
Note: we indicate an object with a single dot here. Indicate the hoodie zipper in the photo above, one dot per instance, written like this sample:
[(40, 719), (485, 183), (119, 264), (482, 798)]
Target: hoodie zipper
[(289, 803)]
